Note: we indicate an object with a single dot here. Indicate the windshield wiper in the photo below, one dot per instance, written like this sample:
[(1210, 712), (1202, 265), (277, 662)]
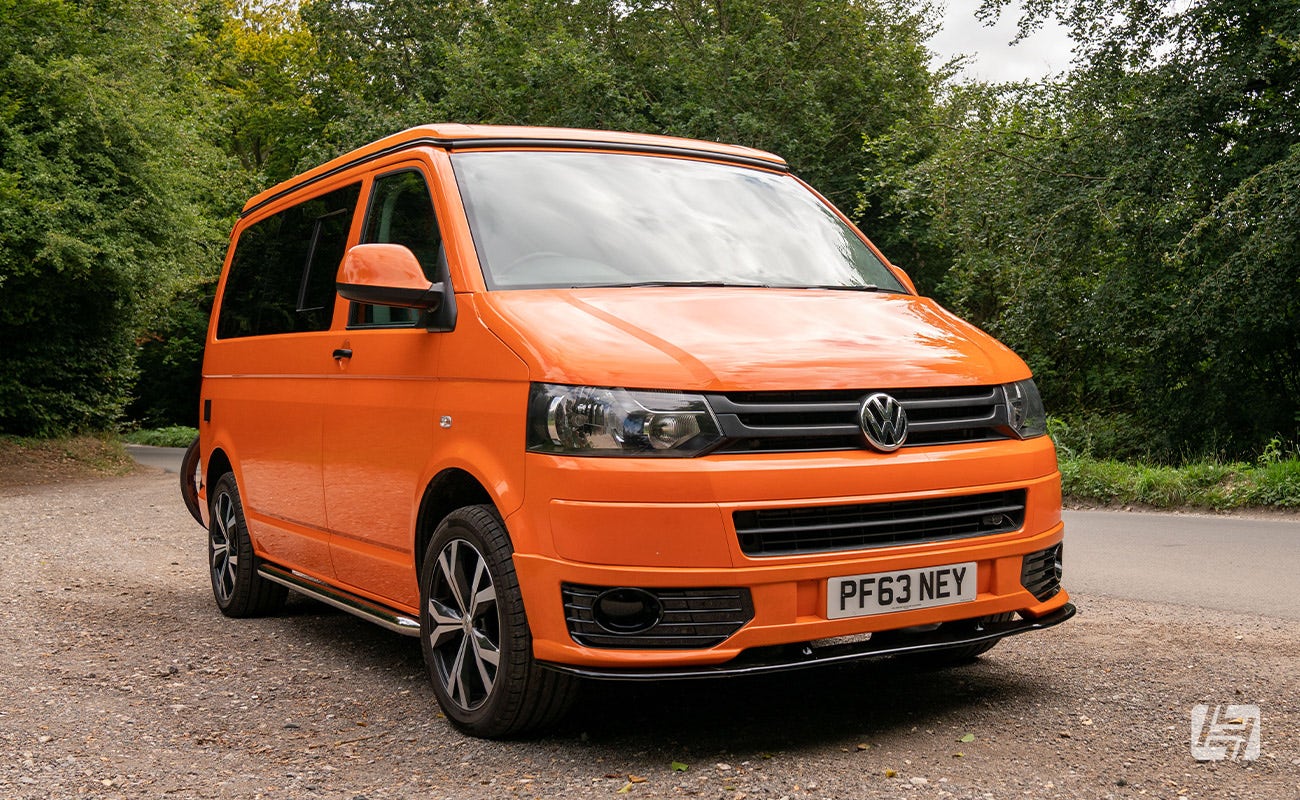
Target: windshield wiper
[(861, 287)]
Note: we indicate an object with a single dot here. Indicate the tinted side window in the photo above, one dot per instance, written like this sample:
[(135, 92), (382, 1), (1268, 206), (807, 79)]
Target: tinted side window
[(401, 212), (282, 273)]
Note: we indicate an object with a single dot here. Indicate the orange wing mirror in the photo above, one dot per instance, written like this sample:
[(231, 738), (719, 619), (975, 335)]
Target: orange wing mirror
[(387, 275)]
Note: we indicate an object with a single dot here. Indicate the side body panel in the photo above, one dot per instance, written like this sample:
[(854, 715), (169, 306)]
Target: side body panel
[(266, 404)]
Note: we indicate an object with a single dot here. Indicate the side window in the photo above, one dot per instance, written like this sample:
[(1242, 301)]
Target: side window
[(401, 212), (282, 273)]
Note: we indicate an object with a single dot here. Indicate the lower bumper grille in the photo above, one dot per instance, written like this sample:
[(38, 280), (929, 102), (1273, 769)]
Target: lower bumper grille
[(689, 619), (1041, 573), (821, 529)]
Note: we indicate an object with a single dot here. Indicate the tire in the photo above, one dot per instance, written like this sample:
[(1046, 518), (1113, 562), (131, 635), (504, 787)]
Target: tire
[(236, 586), (474, 633), (190, 480)]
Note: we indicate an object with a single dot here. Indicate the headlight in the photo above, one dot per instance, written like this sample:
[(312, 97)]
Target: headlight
[(1025, 408), (593, 421)]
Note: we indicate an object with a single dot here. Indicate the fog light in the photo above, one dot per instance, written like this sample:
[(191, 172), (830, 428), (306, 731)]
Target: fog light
[(627, 610)]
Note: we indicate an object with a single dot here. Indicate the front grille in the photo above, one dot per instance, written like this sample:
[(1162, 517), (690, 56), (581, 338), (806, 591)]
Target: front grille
[(766, 422), (692, 618), (1041, 573), (822, 529)]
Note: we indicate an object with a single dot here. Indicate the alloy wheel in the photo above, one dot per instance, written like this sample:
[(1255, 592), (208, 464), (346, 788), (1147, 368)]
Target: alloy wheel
[(465, 630), (223, 554)]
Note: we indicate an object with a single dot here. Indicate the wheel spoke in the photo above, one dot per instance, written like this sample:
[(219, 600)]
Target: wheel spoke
[(228, 577), (456, 686), (480, 572), (219, 516), (485, 655), (449, 563), (446, 622), (485, 600)]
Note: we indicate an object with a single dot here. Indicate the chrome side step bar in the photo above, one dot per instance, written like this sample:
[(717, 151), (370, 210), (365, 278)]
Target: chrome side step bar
[(368, 610)]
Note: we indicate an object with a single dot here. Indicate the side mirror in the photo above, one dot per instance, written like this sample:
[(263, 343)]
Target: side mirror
[(387, 275)]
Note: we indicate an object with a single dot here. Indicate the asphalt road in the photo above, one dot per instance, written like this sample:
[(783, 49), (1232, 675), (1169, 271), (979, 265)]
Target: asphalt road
[(164, 458), (1223, 562), (1230, 563)]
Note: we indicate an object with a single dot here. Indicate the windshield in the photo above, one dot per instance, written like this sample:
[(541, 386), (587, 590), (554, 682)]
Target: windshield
[(556, 219)]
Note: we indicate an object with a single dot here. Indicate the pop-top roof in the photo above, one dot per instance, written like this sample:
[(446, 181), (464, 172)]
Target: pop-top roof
[(456, 137)]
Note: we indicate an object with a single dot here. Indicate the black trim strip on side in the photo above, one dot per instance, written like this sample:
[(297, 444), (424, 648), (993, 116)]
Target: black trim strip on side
[(387, 151), (544, 144)]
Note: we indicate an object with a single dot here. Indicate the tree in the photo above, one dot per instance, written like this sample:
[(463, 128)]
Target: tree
[(264, 85), (808, 79), (1112, 225), (98, 178)]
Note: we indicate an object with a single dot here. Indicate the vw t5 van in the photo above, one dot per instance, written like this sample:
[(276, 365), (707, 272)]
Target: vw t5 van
[(574, 404)]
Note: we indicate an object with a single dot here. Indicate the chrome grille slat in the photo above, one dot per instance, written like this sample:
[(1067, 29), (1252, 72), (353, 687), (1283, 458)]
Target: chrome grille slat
[(767, 422), (820, 529), (917, 521)]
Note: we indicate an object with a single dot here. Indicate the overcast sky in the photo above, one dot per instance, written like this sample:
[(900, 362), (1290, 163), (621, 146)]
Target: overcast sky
[(993, 58)]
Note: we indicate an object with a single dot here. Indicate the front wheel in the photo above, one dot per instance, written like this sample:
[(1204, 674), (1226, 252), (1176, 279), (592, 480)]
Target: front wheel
[(475, 635)]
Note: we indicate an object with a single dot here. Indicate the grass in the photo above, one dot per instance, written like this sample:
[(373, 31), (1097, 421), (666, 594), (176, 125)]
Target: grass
[(1272, 483), (25, 462), (173, 436)]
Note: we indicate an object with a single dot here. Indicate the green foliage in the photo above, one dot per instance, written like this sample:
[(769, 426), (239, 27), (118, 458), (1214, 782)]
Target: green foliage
[(97, 175), (1130, 229), (169, 436), (169, 355), (805, 78), (1272, 482), (264, 82)]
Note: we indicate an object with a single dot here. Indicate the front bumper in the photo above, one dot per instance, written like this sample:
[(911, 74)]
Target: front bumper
[(654, 525), (789, 600)]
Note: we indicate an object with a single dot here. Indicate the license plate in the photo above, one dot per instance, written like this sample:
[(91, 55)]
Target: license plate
[(903, 590)]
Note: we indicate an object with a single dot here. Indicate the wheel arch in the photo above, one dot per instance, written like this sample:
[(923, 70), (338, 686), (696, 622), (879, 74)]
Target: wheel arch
[(218, 464), (450, 489)]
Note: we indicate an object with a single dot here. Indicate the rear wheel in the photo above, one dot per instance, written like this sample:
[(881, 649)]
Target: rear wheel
[(475, 636), (236, 586)]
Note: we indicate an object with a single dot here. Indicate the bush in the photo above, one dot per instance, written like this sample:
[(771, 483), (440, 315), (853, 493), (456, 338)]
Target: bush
[(171, 436), (1274, 482)]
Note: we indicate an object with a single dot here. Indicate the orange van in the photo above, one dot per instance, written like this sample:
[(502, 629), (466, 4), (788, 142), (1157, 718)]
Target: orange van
[(576, 404)]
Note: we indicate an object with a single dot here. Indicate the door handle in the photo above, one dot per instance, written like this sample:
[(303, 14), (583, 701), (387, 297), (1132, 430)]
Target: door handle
[(342, 353)]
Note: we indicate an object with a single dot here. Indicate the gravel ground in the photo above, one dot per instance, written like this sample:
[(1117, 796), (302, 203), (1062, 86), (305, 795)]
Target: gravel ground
[(120, 679)]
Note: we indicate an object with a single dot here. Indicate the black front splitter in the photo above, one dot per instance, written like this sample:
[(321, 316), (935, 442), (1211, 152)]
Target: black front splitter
[(764, 660)]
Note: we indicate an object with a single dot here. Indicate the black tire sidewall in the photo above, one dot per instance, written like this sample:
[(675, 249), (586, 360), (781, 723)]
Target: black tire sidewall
[(242, 601), (481, 527)]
